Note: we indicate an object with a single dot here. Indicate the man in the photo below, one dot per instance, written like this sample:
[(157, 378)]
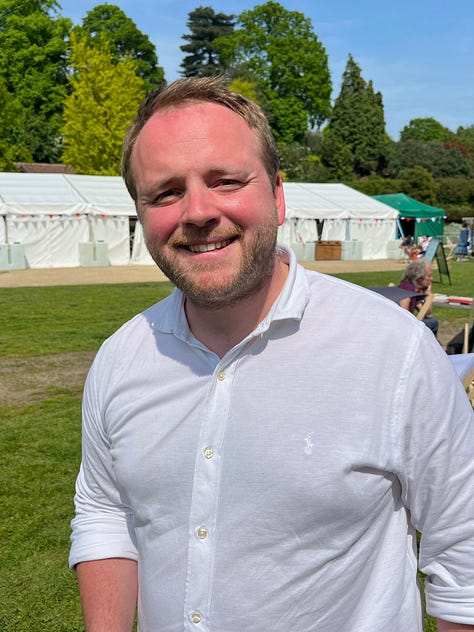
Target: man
[(417, 277), (252, 461)]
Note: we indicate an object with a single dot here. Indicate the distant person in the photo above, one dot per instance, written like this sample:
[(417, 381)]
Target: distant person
[(462, 247), (409, 246), (254, 460), (424, 243), (417, 277)]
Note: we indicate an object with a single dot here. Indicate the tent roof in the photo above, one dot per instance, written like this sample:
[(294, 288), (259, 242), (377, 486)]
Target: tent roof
[(409, 207), (328, 200), (106, 193), (59, 193)]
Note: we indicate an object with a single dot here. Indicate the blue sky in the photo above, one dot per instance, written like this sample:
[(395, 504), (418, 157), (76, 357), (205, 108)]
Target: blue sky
[(418, 53)]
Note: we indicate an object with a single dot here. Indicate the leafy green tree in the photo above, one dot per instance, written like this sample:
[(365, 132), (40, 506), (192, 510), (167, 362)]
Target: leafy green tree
[(33, 66), (279, 50), (10, 121), (442, 160), (245, 88), (418, 183), (203, 59), (125, 40), (299, 164), (425, 129), (456, 191), (375, 185), (357, 122), (465, 140), (104, 99)]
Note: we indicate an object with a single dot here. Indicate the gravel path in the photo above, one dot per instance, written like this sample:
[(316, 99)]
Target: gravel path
[(131, 274)]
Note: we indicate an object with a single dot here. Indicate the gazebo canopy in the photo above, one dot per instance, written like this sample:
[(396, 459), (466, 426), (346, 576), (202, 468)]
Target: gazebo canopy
[(429, 219)]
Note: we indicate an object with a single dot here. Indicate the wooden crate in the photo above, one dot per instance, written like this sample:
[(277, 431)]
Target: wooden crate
[(326, 250)]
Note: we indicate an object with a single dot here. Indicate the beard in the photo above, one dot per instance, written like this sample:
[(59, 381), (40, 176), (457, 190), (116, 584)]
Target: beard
[(201, 283)]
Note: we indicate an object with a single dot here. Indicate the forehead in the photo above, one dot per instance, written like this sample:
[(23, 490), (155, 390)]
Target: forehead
[(193, 119), (191, 134)]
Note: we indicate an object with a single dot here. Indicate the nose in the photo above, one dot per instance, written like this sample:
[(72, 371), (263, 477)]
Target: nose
[(199, 207)]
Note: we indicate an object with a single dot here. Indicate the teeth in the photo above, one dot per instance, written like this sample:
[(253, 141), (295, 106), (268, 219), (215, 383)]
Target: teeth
[(209, 247)]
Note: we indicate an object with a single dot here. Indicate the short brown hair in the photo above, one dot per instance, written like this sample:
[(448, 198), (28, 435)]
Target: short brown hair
[(200, 89)]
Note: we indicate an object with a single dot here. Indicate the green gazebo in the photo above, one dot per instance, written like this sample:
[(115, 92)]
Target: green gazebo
[(415, 218)]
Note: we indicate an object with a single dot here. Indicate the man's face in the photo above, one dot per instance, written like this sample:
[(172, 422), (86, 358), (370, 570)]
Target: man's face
[(209, 213)]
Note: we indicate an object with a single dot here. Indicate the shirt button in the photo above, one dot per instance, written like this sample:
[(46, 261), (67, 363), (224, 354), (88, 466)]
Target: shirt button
[(208, 453), (196, 617), (202, 533), (221, 376)]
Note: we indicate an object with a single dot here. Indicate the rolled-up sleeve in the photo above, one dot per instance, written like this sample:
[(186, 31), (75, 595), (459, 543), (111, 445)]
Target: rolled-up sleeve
[(103, 524)]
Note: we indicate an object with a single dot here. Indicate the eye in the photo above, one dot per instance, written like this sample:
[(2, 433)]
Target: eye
[(167, 197), (228, 183)]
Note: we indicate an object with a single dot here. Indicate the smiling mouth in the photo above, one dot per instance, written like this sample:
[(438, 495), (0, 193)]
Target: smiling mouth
[(209, 247)]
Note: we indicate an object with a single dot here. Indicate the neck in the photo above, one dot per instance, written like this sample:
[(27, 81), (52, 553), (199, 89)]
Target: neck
[(221, 329)]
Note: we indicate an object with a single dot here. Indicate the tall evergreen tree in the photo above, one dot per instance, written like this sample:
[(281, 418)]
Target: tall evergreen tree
[(205, 26), (279, 51), (33, 67), (125, 40), (357, 122), (104, 99)]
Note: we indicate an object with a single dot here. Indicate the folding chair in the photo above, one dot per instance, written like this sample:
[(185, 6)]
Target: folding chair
[(424, 309), (451, 245), (468, 342)]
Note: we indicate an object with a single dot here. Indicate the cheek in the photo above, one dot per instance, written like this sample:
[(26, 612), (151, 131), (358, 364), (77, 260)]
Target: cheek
[(158, 226), (248, 211)]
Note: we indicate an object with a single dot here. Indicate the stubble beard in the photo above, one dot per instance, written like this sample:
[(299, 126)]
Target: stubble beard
[(256, 269)]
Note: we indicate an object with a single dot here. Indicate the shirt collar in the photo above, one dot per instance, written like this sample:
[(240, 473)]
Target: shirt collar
[(290, 303)]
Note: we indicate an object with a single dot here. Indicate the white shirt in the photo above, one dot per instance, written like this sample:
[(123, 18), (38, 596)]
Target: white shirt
[(278, 489)]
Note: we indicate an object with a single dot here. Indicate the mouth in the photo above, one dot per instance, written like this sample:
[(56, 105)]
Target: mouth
[(217, 245)]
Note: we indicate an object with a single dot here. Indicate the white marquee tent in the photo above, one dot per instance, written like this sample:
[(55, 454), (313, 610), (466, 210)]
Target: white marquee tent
[(56, 217), (336, 212)]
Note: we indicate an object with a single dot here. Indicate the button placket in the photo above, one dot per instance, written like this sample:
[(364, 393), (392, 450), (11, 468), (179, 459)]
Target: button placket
[(204, 499)]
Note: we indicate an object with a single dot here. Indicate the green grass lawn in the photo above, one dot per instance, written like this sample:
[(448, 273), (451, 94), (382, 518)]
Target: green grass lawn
[(40, 440)]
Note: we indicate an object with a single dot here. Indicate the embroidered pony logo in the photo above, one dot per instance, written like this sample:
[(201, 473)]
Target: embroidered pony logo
[(308, 443)]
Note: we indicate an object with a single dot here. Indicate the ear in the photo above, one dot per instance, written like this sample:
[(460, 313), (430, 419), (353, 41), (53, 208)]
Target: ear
[(279, 197)]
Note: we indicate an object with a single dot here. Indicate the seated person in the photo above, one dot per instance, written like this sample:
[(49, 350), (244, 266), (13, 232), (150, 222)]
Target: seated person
[(424, 243), (417, 277), (409, 246)]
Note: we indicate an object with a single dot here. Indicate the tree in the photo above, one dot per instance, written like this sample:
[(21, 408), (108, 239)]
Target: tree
[(425, 129), (337, 157), (299, 164), (442, 160), (125, 40), (33, 66), (10, 121), (357, 122), (205, 26), (104, 99), (418, 183), (465, 139), (279, 51), (245, 88)]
